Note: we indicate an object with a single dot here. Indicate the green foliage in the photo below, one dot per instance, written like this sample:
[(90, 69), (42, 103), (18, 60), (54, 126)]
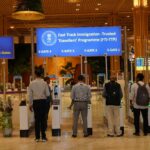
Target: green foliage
[(67, 69), (6, 113), (21, 63), (97, 64)]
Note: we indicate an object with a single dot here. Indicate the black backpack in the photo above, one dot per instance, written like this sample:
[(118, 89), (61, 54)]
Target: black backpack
[(142, 97), (113, 93)]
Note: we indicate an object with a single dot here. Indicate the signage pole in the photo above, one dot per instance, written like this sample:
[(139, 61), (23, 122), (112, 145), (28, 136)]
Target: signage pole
[(131, 64), (106, 67), (146, 60), (4, 80), (81, 64), (44, 63), (126, 95), (32, 52), (86, 73)]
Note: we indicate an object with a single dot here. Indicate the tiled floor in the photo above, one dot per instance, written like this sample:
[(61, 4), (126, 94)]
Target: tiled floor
[(98, 141)]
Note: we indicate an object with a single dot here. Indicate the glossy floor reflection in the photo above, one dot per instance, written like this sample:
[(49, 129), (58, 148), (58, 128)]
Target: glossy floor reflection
[(98, 141)]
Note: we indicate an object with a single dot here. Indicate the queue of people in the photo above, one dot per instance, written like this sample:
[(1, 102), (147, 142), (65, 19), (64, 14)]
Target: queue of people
[(40, 101)]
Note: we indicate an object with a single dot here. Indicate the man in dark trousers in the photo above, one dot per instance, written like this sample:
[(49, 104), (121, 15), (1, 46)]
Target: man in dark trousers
[(38, 93), (48, 100), (81, 96), (137, 108), (113, 95)]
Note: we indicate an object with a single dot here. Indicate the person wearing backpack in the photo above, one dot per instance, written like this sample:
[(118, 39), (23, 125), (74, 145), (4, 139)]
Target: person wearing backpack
[(139, 101), (113, 95)]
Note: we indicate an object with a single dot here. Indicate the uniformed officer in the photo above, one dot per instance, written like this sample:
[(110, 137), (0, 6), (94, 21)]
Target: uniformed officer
[(80, 95)]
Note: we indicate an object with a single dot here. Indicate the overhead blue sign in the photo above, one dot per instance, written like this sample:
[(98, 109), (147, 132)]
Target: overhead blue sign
[(6, 47), (85, 41)]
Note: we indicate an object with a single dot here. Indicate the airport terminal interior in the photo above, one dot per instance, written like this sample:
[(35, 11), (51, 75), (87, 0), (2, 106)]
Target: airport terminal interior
[(96, 38)]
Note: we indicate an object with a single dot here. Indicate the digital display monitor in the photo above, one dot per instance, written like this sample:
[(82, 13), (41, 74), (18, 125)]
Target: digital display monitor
[(83, 41), (141, 63), (6, 47)]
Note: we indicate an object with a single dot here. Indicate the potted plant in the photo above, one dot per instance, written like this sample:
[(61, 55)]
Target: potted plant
[(6, 116)]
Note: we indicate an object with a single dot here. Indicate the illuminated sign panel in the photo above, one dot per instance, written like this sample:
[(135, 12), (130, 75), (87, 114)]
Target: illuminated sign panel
[(141, 64), (85, 41), (6, 47)]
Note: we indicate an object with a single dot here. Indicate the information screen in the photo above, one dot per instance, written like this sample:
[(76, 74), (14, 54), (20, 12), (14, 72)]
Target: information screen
[(6, 47), (85, 41), (141, 63)]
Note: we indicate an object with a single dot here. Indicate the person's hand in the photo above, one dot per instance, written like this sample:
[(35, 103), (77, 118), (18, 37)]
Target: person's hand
[(89, 102), (131, 105), (69, 107), (31, 108)]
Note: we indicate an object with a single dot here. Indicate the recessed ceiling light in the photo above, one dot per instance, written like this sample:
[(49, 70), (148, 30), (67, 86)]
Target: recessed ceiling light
[(73, 1), (128, 16), (96, 9), (128, 29), (77, 9), (11, 27), (78, 5), (99, 4), (106, 23)]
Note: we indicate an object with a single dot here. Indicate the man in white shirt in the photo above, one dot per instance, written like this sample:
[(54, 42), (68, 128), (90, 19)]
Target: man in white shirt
[(38, 93), (81, 96)]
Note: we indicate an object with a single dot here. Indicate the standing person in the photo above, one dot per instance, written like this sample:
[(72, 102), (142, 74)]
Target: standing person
[(140, 103), (38, 93), (80, 95), (113, 94), (48, 100)]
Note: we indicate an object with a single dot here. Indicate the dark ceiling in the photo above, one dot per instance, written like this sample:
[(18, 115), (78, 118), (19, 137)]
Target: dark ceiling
[(61, 13)]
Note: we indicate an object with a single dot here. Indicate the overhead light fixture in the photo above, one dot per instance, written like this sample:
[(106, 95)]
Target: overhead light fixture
[(96, 9), (99, 4), (77, 9), (73, 1), (140, 3), (28, 10), (11, 27), (128, 16), (78, 5)]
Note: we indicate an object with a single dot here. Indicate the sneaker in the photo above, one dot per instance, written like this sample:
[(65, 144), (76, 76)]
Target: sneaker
[(44, 140), (119, 135), (37, 140), (74, 136), (145, 134), (136, 134), (86, 135), (109, 135)]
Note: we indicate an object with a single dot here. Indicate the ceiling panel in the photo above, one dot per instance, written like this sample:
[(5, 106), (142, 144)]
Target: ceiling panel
[(60, 13)]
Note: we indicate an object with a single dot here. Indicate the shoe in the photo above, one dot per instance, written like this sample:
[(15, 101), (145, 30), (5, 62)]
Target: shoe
[(119, 135), (145, 134), (136, 134), (74, 136), (86, 135), (37, 140), (44, 140), (109, 135)]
